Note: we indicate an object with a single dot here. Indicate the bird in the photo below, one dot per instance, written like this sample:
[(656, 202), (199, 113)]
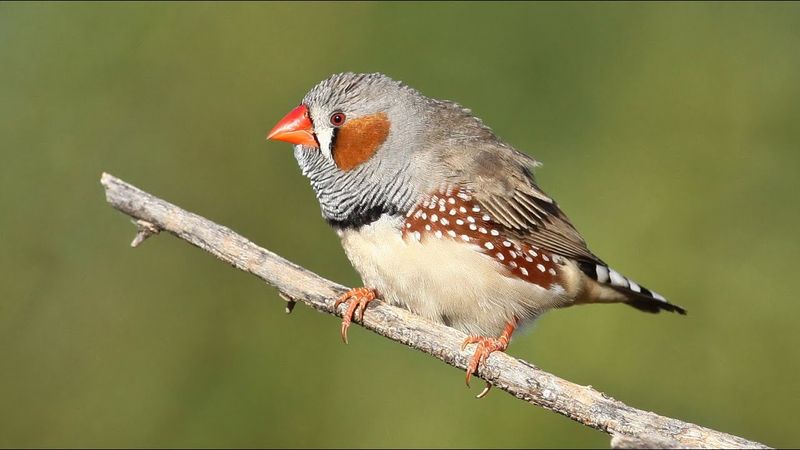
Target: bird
[(440, 216)]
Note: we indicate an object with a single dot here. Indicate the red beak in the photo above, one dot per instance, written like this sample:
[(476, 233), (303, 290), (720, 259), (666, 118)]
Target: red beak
[(295, 128)]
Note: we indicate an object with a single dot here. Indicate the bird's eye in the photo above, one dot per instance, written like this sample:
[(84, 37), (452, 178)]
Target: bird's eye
[(337, 119)]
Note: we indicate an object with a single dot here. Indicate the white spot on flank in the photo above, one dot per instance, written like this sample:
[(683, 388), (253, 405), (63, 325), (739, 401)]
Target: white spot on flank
[(438, 234), (476, 209), (473, 227), (532, 253), (524, 271), (500, 256), (451, 200), (462, 210), (512, 254), (551, 272), (463, 196), (444, 221), (434, 217), (513, 265), (488, 245), (451, 233), (416, 214), (545, 258), (442, 209), (482, 230), (424, 216), (459, 222), (427, 227), (470, 219), (540, 267), (529, 259), (507, 244), (494, 233), (465, 238), (453, 212), (408, 224), (486, 217), (417, 236)]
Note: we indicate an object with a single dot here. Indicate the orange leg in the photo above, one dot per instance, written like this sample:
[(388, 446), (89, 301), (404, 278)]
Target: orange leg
[(487, 345), (360, 298)]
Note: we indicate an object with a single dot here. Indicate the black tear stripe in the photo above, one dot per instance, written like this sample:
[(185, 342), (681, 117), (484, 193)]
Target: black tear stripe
[(334, 136)]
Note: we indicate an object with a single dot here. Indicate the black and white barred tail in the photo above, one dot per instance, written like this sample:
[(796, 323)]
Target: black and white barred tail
[(636, 295)]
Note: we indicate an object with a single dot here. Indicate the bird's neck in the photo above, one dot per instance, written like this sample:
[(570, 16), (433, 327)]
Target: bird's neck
[(358, 197)]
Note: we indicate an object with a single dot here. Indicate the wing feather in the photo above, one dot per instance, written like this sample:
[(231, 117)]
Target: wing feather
[(501, 180)]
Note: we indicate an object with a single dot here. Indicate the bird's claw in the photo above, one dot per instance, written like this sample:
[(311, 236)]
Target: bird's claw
[(486, 346), (358, 299)]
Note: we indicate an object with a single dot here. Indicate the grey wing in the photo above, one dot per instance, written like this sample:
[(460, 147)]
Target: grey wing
[(502, 180)]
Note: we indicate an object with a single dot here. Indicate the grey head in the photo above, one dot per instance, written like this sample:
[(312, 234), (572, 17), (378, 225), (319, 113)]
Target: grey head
[(371, 145)]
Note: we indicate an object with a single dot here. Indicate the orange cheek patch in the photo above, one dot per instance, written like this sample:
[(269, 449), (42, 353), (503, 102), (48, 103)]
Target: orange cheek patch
[(358, 139)]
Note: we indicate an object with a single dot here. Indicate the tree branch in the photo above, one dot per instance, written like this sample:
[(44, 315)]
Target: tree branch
[(629, 427)]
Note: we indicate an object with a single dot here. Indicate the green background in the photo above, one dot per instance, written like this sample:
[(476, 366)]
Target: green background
[(669, 134)]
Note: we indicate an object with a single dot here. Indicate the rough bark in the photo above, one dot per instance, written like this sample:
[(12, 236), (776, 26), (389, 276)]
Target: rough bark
[(628, 426)]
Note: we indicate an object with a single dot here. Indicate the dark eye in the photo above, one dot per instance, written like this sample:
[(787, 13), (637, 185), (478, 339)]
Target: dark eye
[(337, 119)]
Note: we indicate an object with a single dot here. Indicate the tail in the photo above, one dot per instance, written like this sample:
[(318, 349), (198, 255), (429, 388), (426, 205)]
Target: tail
[(609, 286)]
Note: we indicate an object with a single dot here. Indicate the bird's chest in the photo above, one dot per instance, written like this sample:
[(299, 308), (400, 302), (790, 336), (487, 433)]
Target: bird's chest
[(444, 280)]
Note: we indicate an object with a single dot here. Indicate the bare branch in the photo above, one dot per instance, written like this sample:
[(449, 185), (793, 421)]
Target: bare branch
[(630, 427), (144, 229)]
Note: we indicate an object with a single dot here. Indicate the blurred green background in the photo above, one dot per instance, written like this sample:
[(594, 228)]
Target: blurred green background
[(669, 134)]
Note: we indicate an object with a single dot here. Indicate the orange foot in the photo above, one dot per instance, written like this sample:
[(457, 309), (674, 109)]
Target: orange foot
[(486, 346), (360, 299)]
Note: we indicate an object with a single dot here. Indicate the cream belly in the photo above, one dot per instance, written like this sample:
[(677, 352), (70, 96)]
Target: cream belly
[(443, 279)]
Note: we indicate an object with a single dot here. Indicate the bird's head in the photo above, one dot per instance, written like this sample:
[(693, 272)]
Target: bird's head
[(371, 145), (353, 136), (350, 118)]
